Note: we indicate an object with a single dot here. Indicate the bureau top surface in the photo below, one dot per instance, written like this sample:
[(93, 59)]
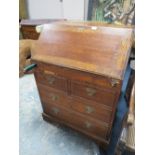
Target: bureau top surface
[(91, 47)]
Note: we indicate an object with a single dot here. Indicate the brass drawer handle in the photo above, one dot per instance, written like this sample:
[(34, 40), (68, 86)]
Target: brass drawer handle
[(55, 110), (114, 82), (51, 80), (54, 97), (89, 109), (88, 125), (90, 91)]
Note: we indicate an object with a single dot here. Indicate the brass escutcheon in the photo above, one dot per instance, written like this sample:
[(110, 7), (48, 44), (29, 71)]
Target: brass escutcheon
[(114, 82)]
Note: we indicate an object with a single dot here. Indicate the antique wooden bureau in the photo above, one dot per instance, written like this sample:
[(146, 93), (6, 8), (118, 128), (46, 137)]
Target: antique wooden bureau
[(79, 73)]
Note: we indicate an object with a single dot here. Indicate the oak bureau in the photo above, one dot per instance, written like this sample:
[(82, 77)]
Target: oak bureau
[(79, 73)]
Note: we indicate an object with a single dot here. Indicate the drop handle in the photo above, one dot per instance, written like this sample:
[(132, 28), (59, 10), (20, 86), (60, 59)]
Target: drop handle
[(54, 97), (88, 125), (90, 91), (55, 110), (89, 109)]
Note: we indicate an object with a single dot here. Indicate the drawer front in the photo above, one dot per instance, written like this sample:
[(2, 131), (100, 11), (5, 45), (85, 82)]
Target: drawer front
[(77, 120), (92, 109), (29, 32), (53, 81), (30, 35), (92, 93), (50, 95)]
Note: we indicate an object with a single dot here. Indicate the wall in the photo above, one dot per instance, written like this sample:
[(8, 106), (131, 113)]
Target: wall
[(69, 9), (45, 9), (86, 3), (73, 9)]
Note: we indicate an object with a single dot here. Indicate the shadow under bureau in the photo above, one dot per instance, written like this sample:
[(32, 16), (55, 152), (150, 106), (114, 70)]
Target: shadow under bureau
[(79, 73)]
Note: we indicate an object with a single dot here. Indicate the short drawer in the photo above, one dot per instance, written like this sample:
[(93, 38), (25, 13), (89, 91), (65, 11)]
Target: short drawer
[(92, 109), (77, 120), (93, 93), (50, 95), (53, 81)]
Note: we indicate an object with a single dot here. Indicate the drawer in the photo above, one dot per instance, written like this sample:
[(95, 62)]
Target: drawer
[(30, 35), (50, 80), (29, 32), (77, 120), (92, 109), (50, 95), (93, 93)]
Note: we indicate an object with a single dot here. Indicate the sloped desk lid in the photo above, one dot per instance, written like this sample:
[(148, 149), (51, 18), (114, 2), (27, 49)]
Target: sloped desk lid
[(92, 47)]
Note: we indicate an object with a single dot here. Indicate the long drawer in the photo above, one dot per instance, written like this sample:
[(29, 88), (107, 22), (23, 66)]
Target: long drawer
[(78, 120), (91, 109), (86, 107)]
